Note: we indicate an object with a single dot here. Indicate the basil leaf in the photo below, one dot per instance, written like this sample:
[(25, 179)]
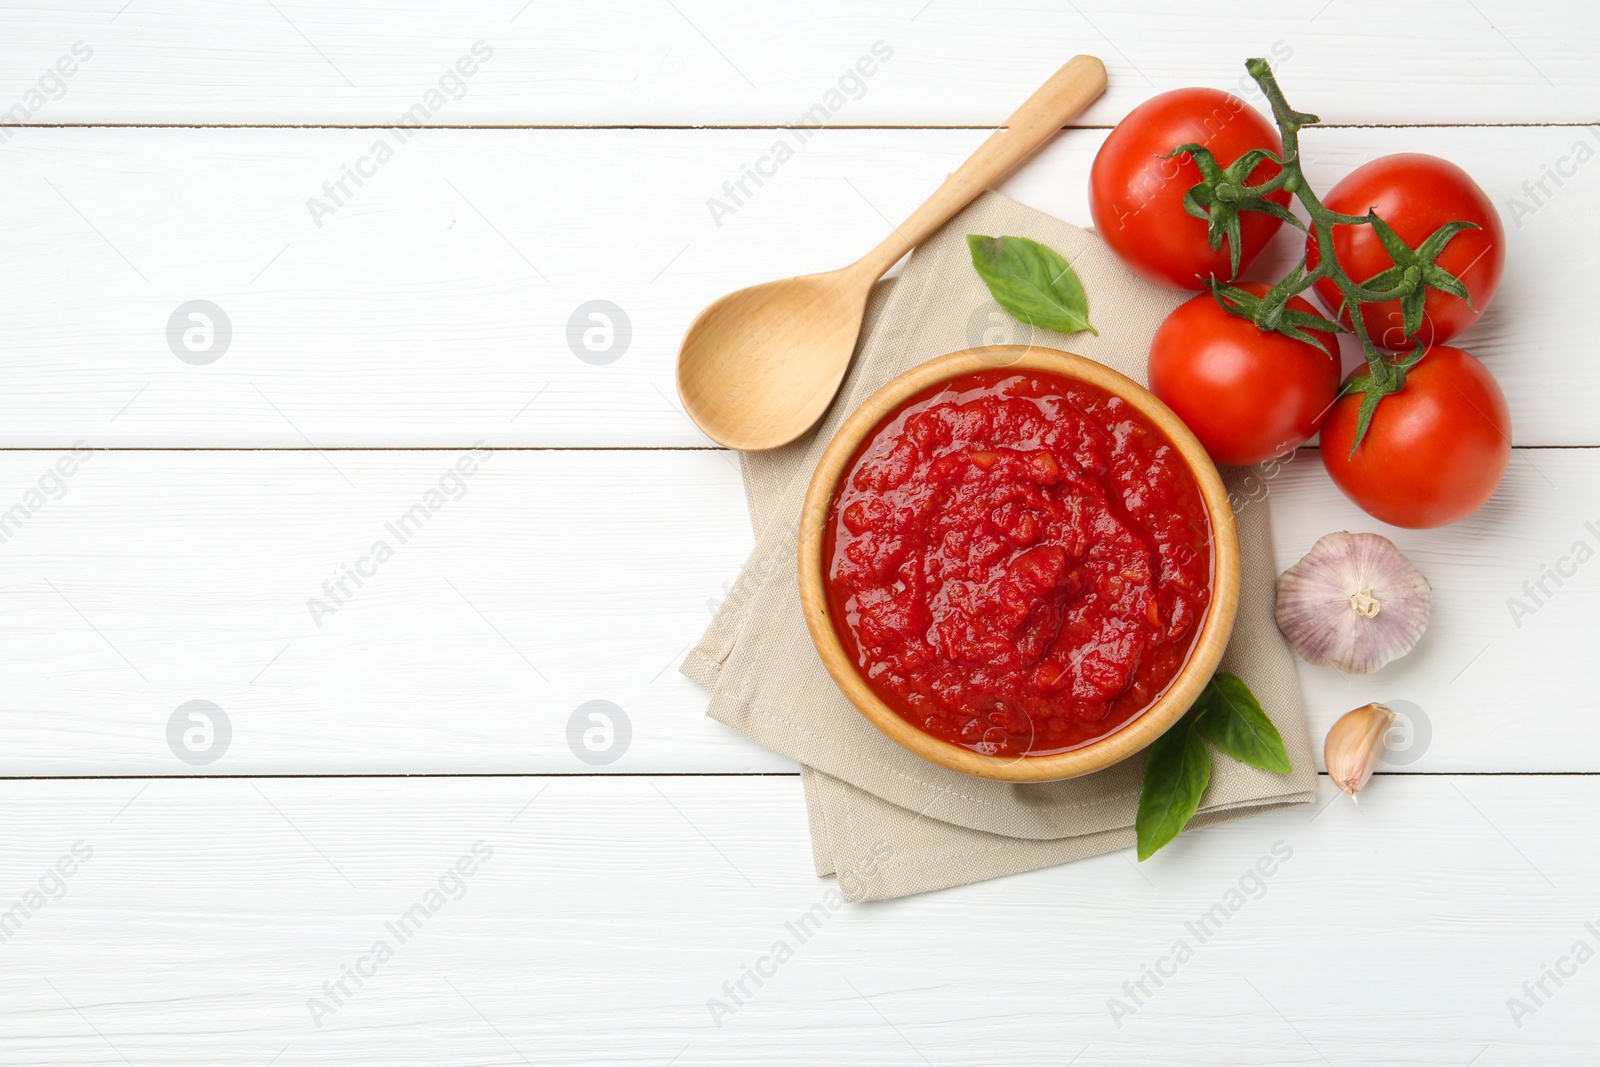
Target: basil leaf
[(1231, 718), (1031, 282), (1176, 773)]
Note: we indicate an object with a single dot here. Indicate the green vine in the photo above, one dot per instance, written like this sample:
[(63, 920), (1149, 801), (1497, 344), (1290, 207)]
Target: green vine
[(1223, 192)]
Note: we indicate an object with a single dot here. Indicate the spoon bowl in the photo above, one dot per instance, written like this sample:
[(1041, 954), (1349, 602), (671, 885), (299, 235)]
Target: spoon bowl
[(789, 340), (760, 366)]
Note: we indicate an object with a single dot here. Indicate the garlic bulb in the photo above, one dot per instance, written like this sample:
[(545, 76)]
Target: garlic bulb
[(1355, 745), (1353, 603)]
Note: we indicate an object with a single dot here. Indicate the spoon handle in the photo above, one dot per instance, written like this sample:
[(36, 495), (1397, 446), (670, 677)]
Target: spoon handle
[(1071, 89)]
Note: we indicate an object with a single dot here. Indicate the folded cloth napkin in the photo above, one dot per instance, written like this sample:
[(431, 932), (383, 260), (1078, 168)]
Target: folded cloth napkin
[(889, 823)]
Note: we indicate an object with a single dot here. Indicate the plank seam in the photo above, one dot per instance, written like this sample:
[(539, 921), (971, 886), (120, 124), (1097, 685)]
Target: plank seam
[(27, 449), (709, 127), (634, 774)]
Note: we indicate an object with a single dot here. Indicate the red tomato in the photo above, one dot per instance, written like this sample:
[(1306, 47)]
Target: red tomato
[(1136, 197), (1415, 194), (1248, 394), (1435, 451)]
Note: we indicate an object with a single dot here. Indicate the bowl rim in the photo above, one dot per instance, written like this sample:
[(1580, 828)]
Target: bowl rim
[(1186, 686)]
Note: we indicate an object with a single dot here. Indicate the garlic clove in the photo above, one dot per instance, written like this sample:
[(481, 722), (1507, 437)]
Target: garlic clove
[(1354, 746), (1353, 603)]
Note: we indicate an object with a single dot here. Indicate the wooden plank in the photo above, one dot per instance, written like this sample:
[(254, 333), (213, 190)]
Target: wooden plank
[(432, 307), (542, 582), (719, 62), (1513, 602), (564, 577), (610, 911)]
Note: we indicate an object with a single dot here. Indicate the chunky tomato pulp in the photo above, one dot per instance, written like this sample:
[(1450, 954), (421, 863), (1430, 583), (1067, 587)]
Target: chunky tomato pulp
[(1018, 562)]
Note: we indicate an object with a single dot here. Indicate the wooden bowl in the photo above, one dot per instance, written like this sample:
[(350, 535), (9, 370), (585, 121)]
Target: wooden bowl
[(1136, 734)]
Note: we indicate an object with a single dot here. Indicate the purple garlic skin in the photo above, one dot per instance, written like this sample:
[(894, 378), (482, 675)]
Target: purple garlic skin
[(1353, 603)]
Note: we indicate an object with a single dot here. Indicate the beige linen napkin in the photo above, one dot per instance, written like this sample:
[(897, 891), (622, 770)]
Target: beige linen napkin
[(889, 823)]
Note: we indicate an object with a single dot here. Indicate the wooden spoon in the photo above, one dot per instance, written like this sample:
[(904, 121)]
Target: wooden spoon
[(758, 367)]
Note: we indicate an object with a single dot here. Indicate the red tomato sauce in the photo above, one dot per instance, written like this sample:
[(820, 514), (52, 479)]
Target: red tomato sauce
[(1017, 562)]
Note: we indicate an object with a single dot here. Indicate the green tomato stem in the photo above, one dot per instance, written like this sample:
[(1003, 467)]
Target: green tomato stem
[(1385, 374)]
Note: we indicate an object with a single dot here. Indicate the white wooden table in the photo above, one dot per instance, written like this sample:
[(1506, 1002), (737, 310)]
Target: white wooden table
[(420, 719)]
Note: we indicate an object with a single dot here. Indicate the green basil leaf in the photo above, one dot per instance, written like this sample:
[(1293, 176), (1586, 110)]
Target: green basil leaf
[(1031, 282), (1177, 770), (1231, 718)]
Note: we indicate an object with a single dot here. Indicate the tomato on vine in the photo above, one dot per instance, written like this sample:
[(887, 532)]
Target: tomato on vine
[(1416, 196), (1407, 251), (1248, 394), (1137, 190), (1435, 451)]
